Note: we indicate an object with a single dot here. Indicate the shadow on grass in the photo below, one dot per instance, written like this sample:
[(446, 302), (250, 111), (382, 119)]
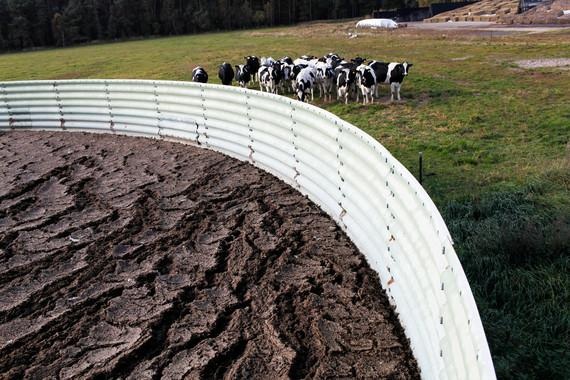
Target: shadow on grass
[(516, 257)]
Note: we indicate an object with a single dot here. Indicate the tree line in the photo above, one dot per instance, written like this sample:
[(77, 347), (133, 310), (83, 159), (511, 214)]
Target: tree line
[(34, 23)]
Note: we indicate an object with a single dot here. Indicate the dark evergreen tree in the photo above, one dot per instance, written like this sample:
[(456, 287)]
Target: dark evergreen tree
[(29, 23)]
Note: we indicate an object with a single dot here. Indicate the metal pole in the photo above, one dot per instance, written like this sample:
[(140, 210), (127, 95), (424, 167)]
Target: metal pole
[(421, 167)]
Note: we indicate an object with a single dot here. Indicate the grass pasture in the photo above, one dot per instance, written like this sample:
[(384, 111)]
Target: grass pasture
[(495, 139)]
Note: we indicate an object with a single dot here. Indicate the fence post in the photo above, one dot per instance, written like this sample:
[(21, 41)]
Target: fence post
[(421, 178)]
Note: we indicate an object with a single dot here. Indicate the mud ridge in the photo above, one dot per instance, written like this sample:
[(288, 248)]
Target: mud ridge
[(131, 258)]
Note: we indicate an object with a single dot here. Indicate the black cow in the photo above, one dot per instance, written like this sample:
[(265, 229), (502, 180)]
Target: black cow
[(226, 74), (391, 73), (199, 75), (252, 63)]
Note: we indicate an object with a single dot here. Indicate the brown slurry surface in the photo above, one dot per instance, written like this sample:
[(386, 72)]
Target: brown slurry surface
[(125, 257)]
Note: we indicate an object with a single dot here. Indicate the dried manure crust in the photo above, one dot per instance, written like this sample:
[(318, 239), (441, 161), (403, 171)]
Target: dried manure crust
[(132, 258)]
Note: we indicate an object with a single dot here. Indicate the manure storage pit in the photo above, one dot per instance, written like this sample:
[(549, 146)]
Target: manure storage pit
[(126, 257)]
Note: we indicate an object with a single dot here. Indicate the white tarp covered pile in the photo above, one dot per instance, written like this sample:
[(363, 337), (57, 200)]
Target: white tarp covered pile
[(377, 23)]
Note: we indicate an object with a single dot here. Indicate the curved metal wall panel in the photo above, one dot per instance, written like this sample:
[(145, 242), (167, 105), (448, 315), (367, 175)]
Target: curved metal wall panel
[(351, 176)]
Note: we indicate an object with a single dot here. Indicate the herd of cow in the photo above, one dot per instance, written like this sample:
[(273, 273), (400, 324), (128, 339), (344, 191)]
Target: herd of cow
[(329, 74)]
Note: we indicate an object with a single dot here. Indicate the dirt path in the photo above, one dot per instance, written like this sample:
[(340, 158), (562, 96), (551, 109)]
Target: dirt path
[(132, 258), (485, 27)]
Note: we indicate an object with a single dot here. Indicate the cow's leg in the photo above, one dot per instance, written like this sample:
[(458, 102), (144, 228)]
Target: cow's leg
[(398, 89), (392, 91)]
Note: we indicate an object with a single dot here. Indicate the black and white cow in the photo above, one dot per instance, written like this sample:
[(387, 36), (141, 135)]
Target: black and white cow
[(268, 78), (366, 83), (252, 63), (391, 73), (286, 66), (305, 83), (226, 73), (243, 76), (294, 74), (342, 65), (199, 75), (325, 79), (278, 74), (345, 82)]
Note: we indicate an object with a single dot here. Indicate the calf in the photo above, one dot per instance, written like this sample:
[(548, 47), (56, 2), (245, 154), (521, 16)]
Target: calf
[(366, 83), (243, 76), (226, 74), (305, 83), (252, 63), (391, 73), (345, 81), (199, 75)]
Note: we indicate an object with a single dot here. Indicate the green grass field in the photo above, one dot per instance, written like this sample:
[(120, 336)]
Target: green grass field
[(495, 140)]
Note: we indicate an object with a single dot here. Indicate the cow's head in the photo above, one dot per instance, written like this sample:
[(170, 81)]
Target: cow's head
[(287, 71), (406, 67), (301, 86), (351, 77), (278, 73), (251, 60), (358, 61), (296, 70)]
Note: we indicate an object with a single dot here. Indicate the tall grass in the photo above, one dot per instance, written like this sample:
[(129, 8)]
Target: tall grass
[(516, 256)]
